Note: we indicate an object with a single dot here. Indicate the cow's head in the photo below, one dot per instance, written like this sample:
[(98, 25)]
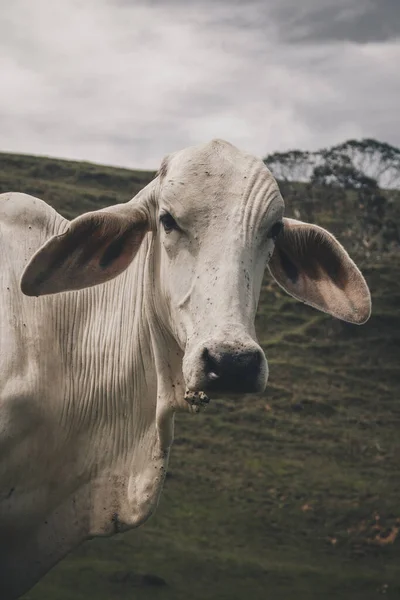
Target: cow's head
[(216, 217)]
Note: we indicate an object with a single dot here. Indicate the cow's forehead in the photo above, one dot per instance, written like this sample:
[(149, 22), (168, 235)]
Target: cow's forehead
[(215, 170), (216, 156)]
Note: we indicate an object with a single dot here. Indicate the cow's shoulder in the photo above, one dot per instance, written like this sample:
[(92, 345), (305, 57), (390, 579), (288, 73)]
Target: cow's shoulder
[(22, 211)]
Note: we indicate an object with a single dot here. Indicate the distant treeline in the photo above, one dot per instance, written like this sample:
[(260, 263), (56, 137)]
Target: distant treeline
[(354, 164)]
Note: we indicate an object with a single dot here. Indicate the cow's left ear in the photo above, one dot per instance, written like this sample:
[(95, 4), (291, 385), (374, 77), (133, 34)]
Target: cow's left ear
[(312, 266), (95, 248)]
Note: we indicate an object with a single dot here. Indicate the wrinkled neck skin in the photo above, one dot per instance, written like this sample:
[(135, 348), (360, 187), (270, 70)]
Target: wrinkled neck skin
[(130, 387), (166, 350)]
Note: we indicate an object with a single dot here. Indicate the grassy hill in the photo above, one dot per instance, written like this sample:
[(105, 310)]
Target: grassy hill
[(292, 494)]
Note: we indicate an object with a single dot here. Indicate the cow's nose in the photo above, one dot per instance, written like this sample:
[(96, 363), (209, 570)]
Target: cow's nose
[(232, 371)]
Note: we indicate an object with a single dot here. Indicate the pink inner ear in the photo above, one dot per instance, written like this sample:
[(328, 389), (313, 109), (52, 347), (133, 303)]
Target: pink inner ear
[(96, 248), (112, 247), (311, 265), (313, 252), (125, 244)]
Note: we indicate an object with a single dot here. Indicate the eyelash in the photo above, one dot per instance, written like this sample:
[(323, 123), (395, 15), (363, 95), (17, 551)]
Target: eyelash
[(168, 222)]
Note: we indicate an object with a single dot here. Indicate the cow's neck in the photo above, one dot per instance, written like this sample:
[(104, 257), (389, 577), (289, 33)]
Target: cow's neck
[(111, 343), (106, 353), (122, 383)]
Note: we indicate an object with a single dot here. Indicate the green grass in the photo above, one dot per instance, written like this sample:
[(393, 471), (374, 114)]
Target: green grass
[(291, 494)]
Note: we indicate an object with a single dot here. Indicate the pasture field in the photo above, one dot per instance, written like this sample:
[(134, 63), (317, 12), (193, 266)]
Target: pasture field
[(291, 494)]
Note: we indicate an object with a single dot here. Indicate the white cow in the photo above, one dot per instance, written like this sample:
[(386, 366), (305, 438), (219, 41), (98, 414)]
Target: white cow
[(161, 298)]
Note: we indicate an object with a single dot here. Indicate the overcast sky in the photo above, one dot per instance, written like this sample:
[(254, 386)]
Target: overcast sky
[(124, 82)]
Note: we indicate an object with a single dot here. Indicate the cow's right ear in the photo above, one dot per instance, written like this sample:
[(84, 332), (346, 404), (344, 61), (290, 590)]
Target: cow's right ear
[(96, 247)]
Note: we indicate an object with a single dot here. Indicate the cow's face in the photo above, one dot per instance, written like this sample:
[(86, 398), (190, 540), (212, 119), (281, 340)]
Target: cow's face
[(216, 217), (219, 211)]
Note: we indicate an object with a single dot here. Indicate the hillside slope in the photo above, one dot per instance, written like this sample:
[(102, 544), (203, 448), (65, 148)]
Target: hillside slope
[(294, 493)]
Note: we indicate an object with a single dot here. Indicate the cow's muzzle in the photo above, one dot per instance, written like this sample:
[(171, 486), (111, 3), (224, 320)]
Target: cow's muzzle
[(229, 368)]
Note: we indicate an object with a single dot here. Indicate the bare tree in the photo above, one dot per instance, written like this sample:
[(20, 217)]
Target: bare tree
[(344, 165)]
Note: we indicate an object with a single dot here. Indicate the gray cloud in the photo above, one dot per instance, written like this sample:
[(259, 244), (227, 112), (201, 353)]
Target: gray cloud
[(344, 20), (125, 82)]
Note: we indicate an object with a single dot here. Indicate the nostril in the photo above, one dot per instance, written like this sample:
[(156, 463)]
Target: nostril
[(210, 364)]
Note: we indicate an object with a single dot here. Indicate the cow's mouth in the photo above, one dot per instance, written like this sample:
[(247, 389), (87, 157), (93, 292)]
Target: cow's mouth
[(197, 399)]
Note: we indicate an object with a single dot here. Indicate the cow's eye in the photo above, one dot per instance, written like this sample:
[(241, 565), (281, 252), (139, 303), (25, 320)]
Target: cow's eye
[(168, 222), (275, 230)]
